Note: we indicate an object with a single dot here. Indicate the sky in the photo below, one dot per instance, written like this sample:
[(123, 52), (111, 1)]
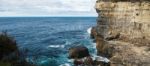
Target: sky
[(47, 8)]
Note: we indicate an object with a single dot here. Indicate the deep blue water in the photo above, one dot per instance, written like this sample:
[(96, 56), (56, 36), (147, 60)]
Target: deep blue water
[(47, 39)]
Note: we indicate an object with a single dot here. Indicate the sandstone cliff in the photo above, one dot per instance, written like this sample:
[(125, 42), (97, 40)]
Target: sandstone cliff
[(122, 32)]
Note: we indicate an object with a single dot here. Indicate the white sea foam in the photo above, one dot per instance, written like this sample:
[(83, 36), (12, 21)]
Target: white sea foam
[(56, 46), (67, 42), (99, 58), (66, 64), (71, 60), (94, 46), (89, 30)]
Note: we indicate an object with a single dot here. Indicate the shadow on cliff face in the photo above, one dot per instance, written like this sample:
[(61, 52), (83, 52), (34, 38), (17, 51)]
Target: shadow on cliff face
[(103, 48), (9, 53)]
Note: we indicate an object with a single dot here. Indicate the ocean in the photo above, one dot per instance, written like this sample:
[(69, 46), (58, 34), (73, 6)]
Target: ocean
[(47, 39)]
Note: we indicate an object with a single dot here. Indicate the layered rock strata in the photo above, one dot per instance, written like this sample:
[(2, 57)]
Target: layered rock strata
[(122, 33)]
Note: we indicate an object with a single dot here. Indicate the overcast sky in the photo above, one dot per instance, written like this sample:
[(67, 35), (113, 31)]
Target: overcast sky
[(47, 8)]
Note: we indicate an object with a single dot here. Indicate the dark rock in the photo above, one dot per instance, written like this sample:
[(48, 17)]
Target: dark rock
[(78, 52), (89, 61), (86, 61), (93, 33), (94, 41), (76, 62)]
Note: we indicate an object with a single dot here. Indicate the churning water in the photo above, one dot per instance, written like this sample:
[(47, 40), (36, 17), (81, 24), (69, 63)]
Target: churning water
[(47, 39)]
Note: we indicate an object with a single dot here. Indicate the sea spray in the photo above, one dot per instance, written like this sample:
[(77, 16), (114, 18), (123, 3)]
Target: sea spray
[(94, 55), (89, 30)]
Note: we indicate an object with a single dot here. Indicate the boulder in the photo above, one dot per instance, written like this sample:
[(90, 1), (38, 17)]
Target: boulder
[(78, 52)]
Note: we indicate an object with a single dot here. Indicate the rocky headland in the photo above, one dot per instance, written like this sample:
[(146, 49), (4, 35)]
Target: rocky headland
[(122, 33)]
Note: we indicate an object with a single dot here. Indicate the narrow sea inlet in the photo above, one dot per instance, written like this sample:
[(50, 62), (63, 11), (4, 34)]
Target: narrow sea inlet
[(46, 40)]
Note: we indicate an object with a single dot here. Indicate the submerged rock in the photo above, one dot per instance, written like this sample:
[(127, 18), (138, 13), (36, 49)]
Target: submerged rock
[(78, 52)]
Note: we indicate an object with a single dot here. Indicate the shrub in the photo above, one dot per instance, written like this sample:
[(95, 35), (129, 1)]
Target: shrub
[(9, 52), (7, 45)]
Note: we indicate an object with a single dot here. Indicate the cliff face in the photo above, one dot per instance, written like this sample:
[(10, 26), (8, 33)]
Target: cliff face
[(122, 32), (127, 18)]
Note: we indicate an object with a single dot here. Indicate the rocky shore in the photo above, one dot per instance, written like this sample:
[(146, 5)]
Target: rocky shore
[(82, 57), (122, 33)]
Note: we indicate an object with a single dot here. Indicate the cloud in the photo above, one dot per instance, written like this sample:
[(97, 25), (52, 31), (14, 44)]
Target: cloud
[(47, 7)]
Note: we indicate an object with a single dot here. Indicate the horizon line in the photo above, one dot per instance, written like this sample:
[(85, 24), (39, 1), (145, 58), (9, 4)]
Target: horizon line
[(49, 16)]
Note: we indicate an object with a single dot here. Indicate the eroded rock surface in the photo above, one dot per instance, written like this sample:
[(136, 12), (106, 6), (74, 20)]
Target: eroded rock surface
[(122, 33)]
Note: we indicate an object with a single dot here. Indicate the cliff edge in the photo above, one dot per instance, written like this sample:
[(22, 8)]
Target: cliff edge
[(122, 33)]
